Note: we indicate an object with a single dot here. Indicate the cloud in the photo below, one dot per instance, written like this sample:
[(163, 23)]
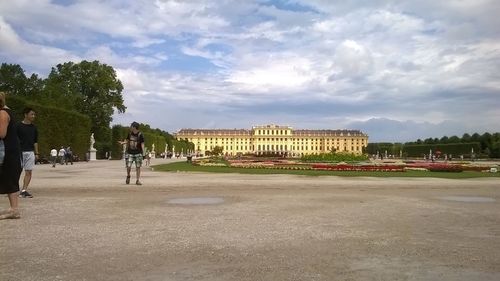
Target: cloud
[(15, 49), (352, 60)]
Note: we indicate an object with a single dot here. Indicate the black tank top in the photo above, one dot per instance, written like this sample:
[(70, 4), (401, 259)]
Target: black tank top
[(11, 142)]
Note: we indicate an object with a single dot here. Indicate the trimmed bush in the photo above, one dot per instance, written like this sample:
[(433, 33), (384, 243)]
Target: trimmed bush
[(56, 127)]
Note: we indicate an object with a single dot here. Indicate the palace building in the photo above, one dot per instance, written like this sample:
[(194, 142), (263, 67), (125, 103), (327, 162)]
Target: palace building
[(274, 140)]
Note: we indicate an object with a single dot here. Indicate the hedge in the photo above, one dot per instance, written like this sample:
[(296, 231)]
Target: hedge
[(56, 127), (455, 149)]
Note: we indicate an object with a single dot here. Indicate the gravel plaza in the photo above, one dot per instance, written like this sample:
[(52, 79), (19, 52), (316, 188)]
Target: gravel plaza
[(85, 223)]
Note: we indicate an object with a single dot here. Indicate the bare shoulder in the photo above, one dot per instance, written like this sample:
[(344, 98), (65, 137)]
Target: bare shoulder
[(4, 114)]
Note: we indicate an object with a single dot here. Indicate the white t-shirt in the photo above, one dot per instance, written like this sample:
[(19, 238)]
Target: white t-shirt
[(62, 152), (53, 152)]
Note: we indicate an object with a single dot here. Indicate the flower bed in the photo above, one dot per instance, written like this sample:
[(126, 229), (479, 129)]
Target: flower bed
[(276, 164), (476, 168), (286, 164), (209, 164), (436, 167), (446, 168), (368, 168)]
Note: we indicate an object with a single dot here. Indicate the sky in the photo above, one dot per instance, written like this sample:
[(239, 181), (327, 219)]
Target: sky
[(396, 70)]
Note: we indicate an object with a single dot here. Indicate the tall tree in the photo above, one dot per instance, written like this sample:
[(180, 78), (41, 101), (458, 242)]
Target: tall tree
[(486, 140), (466, 138), (475, 137), (92, 89), (14, 81)]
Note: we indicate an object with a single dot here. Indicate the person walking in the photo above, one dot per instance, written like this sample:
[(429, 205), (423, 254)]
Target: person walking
[(135, 149), (10, 170), (53, 157), (62, 155), (28, 138), (69, 155)]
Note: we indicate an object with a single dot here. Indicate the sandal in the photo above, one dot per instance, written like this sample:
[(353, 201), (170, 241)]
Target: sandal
[(127, 181)]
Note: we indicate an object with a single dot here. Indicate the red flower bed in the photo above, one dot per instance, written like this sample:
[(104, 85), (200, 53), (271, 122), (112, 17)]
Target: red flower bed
[(445, 168), (347, 167), (437, 167)]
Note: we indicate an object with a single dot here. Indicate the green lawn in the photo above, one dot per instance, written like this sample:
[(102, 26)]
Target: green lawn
[(187, 167)]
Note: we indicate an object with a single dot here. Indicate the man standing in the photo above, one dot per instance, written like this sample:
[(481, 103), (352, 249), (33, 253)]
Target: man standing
[(134, 151), (28, 138)]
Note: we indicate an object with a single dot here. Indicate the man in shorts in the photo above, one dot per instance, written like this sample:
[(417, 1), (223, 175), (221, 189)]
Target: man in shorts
[(134, 150), (28, 138)]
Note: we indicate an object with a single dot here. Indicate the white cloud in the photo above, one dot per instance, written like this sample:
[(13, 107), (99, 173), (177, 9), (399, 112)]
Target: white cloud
[(272, 72), (38, 56), (352, 60)]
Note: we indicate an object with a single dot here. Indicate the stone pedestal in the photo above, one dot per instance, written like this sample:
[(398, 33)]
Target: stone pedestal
[(92, 154)]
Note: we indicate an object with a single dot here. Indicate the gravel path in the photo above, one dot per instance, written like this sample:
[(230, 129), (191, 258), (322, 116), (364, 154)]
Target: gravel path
[(84, 223)]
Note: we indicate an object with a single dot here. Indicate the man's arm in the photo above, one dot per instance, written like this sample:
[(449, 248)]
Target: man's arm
[(36, 151)]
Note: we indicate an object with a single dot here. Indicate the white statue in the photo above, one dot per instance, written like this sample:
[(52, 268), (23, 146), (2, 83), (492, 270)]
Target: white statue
[(92, 142), (153, 147)]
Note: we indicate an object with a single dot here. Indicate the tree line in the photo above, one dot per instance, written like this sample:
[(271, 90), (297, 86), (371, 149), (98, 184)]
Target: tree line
[(89, 92), (481, 145)]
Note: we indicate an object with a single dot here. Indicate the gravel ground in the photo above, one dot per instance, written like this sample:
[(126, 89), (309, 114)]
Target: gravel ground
[(84, 223)]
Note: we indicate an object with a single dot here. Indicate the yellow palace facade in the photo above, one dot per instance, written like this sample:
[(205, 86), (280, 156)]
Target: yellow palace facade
[(275, 140)]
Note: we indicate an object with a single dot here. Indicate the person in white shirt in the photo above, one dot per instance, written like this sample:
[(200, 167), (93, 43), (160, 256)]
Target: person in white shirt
[(62, 155), (53, 157)]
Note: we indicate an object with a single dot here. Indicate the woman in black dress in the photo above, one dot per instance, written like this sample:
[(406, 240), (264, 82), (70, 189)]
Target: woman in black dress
[(10, 171)]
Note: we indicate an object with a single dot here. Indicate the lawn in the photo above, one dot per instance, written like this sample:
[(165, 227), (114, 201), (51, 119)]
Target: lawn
[(188, 167)]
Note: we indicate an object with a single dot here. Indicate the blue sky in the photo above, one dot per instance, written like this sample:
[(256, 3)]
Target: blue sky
[(397, 70)]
